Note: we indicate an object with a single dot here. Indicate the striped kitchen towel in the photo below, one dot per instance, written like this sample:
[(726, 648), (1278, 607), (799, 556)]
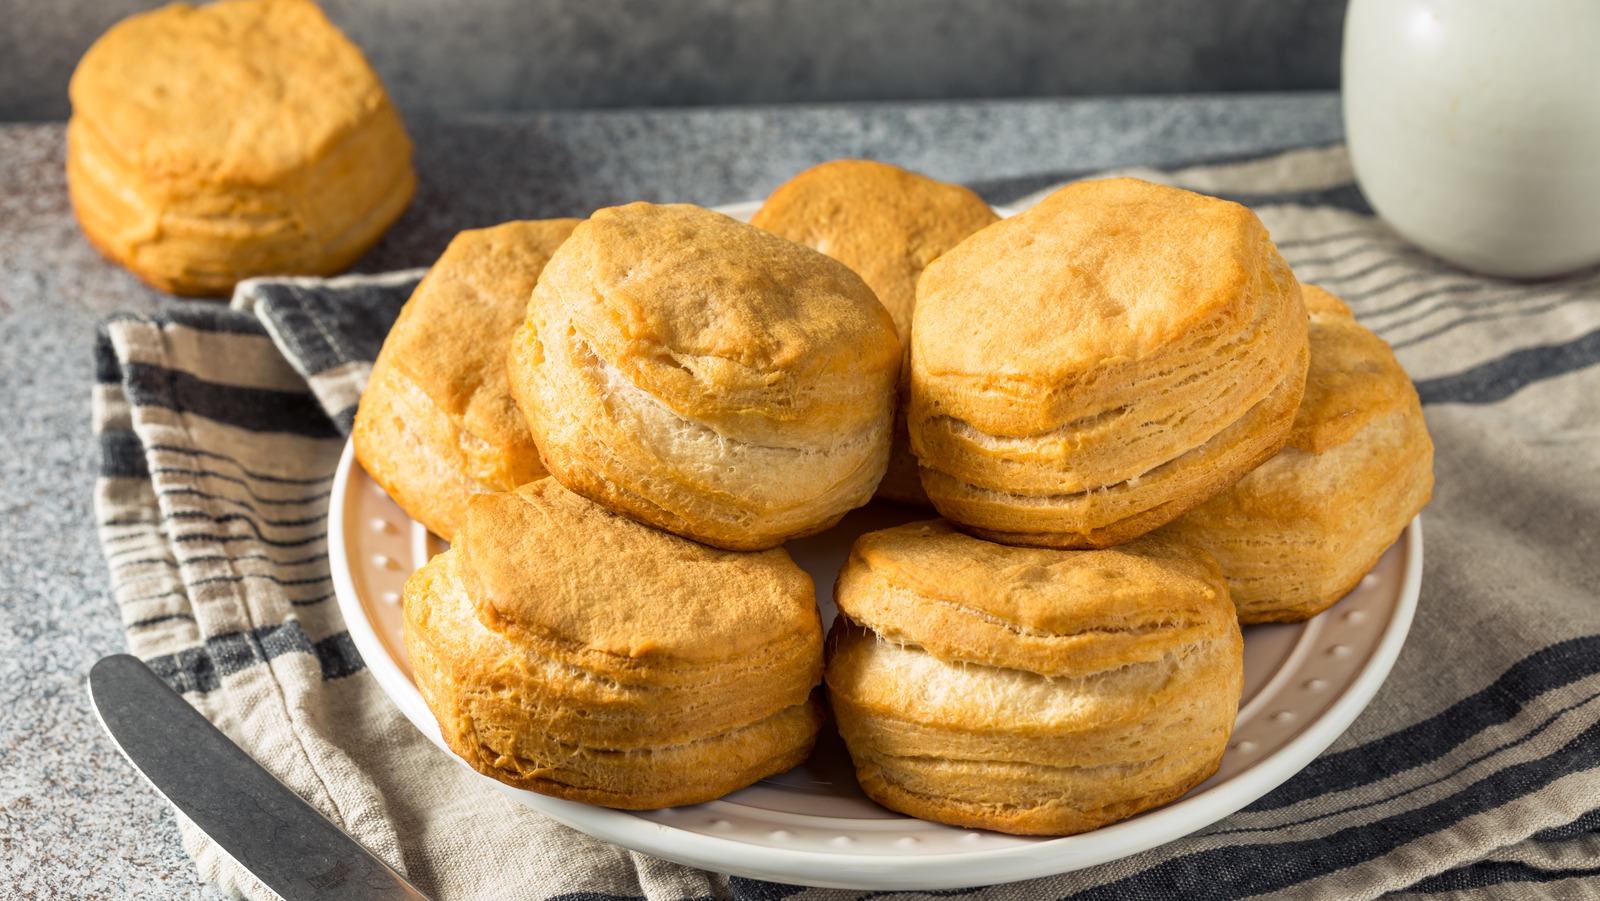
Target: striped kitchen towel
[(1476, 770)]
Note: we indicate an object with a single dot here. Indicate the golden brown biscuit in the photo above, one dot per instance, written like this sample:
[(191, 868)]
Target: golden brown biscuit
[(1031, 690), (707, 377), (1299, 532), (247, 137), (1085, 371), (437, 423), (887, 224), (572, 652)]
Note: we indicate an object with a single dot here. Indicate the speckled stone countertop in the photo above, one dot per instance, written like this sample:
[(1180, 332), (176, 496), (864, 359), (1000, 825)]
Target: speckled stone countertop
[(75, 821)]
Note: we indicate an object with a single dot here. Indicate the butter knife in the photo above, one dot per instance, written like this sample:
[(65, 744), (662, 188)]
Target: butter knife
[(257, 820)]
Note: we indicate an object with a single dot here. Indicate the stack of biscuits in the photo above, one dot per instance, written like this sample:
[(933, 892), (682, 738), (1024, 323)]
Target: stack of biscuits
[(627, 631), (1135, 434)]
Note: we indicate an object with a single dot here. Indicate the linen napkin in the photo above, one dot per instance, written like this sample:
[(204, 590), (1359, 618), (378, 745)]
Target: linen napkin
[(1475, 770)]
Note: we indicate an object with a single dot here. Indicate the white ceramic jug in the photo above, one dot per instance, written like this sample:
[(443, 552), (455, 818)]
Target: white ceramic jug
[(1474, 127)]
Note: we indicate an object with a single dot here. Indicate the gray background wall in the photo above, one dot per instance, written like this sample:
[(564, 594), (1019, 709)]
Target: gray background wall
[(445, 57)]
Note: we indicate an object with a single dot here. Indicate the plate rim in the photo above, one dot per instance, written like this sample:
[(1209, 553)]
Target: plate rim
[(822, 869)]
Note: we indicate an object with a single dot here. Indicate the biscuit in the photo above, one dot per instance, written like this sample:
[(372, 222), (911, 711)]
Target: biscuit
[(887, 224), (1300, 531), (706, 377), (1089, 369), (242, 138), (575, 653), (437, 423), (1031, 690)]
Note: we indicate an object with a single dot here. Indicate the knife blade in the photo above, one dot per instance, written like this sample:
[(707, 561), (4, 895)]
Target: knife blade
[(254, 818)]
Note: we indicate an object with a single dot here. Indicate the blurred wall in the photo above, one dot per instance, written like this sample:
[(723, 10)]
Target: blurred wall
[(443, 57)]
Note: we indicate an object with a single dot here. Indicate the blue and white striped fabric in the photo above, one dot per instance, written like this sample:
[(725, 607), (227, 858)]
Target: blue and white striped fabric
[(1475, 773)]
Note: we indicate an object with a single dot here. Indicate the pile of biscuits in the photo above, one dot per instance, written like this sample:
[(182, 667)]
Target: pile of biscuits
[(1139, 431), (1135, 433)]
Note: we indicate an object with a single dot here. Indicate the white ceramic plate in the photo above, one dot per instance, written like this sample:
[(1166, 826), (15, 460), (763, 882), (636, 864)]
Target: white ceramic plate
[(1304, 684)]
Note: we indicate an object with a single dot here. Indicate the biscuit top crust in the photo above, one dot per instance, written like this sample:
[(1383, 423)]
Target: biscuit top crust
[(242, 91), (1099, 274), (882, 221), (1354, 377), (716, 317), (452, 335), (547, 562), (1055, 612)]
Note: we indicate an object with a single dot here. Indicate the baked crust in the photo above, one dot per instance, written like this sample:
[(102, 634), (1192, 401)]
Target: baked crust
[(548, 667), (1066, 361), (1299, 532), (437, 423), (887, 224), (707, 377), (242, 138), (1029, 690)]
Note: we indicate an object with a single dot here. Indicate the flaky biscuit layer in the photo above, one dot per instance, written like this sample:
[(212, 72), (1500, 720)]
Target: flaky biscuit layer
[(1108, 515)]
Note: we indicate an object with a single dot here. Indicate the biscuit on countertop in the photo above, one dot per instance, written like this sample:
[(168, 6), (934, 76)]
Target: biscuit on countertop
[(246, 137)]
